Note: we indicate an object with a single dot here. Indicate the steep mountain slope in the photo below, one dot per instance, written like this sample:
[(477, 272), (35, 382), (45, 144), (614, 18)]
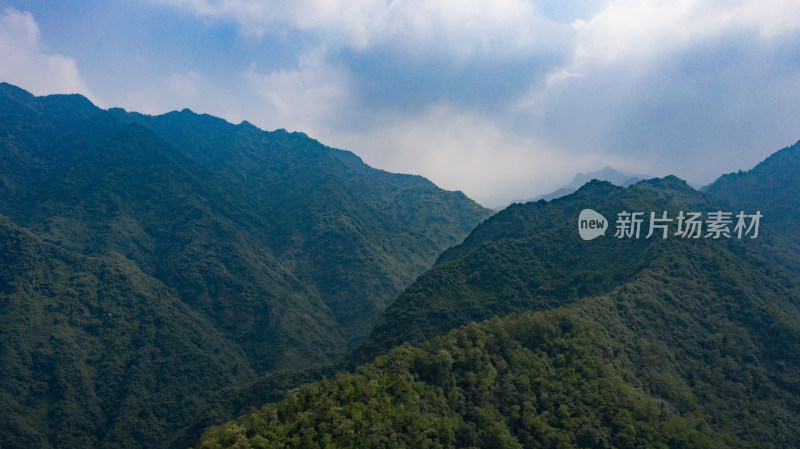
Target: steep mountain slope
[(273, 235), (124, 189), (695, 342), (276, 281), (520, 260), (357, 234), (95, 353)]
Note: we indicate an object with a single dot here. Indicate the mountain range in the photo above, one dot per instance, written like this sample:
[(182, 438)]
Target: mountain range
[(162, 274), (134, 246), (526, 335)]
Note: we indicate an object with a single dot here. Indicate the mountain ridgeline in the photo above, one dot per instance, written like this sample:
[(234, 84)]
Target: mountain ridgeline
[(355, 235), (150, 261), (772, 187), (608, 343)]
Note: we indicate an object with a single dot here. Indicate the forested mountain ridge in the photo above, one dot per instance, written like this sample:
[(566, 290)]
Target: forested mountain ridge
[(547, 231), (772, 186), (345, 228), (702, 336), (528, 257), (102, 185), (227, 242)]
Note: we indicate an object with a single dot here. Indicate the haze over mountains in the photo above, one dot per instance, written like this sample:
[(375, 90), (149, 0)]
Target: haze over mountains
[(150, 263)]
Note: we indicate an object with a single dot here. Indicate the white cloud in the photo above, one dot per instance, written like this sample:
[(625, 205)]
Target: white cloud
[(690, 87), (310, 98), (192, 90), (352, 18), (174, 91), (25, 63), (185, 86), (462, 27), (634, 32), (500, 28)]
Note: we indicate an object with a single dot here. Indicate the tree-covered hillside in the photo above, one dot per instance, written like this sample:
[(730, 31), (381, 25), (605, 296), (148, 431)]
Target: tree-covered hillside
[(95, 353), (651, 342), (285, 250), (356, 234), (545, 380)]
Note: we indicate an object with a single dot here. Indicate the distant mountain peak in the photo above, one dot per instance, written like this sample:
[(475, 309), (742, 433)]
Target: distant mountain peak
[(608, 174), (604, 174)]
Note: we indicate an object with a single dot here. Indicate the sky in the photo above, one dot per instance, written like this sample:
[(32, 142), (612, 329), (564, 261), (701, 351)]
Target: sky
[(503, 99)]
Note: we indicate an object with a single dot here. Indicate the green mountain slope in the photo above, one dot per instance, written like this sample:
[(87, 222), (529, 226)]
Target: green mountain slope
[(272, 235), (635, 368), (690, 343), (277, 281), (356, 234), (96, 353), (125, 190)]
